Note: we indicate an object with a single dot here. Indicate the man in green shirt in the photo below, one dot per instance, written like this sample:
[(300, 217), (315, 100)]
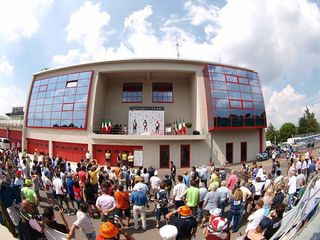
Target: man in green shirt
[(192, 195), (124, 158), (29, 194)]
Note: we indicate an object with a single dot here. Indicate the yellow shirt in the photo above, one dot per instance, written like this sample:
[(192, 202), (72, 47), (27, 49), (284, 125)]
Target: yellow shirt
[(94, 176)]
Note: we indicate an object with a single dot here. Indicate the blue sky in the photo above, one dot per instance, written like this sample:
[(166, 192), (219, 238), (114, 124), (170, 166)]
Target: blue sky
[(279, 39)]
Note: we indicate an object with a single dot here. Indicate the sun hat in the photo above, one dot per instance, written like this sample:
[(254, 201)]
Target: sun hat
[(18, 172), (185, 211), (215, 212), (108, 230), (168, 232), (218, 223), (156, 173)]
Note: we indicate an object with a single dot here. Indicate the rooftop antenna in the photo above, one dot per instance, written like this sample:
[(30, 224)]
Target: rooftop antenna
[(177, 46)]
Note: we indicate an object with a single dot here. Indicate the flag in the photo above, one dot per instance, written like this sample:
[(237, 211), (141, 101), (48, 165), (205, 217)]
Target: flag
[(109, 126), (176, 127), (184, 129), (103, 127), (180, 126)]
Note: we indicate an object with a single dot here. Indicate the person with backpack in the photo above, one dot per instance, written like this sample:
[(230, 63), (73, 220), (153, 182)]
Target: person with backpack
[(162, 200)]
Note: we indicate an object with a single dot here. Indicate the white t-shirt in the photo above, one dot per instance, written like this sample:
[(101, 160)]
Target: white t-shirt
[(259, 187), (292, 184), (146, 177), (178, 191), (254, 219), (298, 165), (58, 186), (300, 180), (88, 156), (304, 164), (245, 193), (141, 185), (84, 223), (48, 185), (105, 202), (155, 181)]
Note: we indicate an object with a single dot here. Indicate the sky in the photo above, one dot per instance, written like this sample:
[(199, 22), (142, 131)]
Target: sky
[(278, 39)]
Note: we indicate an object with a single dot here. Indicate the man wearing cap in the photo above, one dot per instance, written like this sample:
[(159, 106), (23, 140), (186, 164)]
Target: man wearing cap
[(185, 223), (29, 194), (18, 181), (139, 201), (155, 181)]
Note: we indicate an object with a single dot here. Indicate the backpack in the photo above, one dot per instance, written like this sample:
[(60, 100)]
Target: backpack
[(162, 199)]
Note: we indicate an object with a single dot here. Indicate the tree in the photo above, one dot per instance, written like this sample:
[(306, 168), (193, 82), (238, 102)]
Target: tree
[(287, 130), (308, 123), (272, 134)]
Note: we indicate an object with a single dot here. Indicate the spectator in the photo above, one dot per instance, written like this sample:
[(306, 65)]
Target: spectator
[(258, 232), (255, 218), (236, 209), (50, 221), (276, 217), (60, 192), (178, 192), (192, 195), (185, 223), (84, 223), (224, 196), (162, 200), (105, 203), (211, 201), (232, 180), (292, 184), (123, 204), (139, 201)]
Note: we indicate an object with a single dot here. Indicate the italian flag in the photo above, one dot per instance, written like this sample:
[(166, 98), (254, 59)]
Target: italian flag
[(180, 126), (103, 127), (184, 129)]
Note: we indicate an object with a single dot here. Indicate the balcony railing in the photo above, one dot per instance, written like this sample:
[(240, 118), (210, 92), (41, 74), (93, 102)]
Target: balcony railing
[(11, 123)]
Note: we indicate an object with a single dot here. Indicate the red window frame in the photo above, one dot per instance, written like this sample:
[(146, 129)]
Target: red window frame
[(63, 104), (165, 88), (254, 85), (168, 148), (241, 160), (231, 152), (87, 101), (41, 90), (132, 87), (188, 146), (71, 81)]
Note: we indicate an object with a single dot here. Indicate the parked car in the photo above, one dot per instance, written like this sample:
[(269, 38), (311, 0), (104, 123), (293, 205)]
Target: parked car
[(262, 156)]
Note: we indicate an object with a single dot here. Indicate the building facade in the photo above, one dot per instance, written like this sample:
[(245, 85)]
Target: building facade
[(144, 106)]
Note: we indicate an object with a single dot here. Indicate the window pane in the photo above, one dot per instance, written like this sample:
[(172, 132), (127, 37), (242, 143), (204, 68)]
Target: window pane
[(66, 115), (78, 123), (241, 73), (59, 93), (58, 100), (70, 91), (235, 104), (73, 76), (48, 101), (221, 103), (80, 106), (247, 104), (51, 87), (62, 78), (244, 88), (219, 85), (246, 96), (217, 77), (40, 101), (232, 79), (221, 112), (258, 105), (81, 98), (217, 69), (56, 115), (71, 84), (249, 122), (52, 80), (66, 123), (237, 121), (234, 95), (236, 112), (254, 83), (82, 90), (41, 94), (79, 115), (47, 108), (45, 123), (55, 122), (39, 108), (68, 99), (255, 90), (243, 80), (67, 107), (43, 88), (60, 85), (220, 94), (231, 71), (257, 97), (46, 115), (83, 75), (56, 107), (222, 122), (233, 87), (44, 82), (83, 83)]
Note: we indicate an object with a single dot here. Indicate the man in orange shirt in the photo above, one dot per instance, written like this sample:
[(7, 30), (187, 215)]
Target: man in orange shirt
[(123, 204), (117, 171)]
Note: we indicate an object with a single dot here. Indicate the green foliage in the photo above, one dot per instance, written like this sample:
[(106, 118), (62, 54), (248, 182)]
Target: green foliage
[(188, 125), (308, 123), (272, 134), (286, 131)]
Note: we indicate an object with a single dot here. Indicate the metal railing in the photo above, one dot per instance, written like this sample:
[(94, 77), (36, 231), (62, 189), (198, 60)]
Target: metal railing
[(11, 123), (293, 220)]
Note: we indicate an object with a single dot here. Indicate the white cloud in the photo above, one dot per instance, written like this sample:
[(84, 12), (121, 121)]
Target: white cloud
[(20, 18), (6, 69), (284, 105), (201, 12), (13, 97), (136, 21)]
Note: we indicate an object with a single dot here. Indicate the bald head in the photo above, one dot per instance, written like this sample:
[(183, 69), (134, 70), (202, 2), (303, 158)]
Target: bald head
[(26, 205)]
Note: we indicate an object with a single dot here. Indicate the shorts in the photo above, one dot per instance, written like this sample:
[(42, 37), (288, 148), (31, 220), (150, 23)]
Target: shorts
[(71, 196), (119, 212), (50, 195), (161, 211)]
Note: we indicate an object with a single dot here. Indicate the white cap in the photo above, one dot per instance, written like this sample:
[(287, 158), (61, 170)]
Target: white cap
[(215, 212), (168, 232), (155, 173)]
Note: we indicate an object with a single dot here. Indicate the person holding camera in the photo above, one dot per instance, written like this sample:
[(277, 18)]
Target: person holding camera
[(84, 223), (49, 220), (185, 222)]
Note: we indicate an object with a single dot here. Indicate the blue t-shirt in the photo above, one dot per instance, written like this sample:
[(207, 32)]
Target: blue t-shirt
[(139, 198), (70, 184)]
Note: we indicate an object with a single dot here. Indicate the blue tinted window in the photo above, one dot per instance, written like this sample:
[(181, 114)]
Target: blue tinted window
[(234, 95), (220, 94), (220, 85)]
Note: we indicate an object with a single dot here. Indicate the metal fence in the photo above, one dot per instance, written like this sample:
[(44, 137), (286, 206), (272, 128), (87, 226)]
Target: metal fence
[(11, 123)]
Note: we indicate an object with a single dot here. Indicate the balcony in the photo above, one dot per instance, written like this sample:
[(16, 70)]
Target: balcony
[(95, 133)]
